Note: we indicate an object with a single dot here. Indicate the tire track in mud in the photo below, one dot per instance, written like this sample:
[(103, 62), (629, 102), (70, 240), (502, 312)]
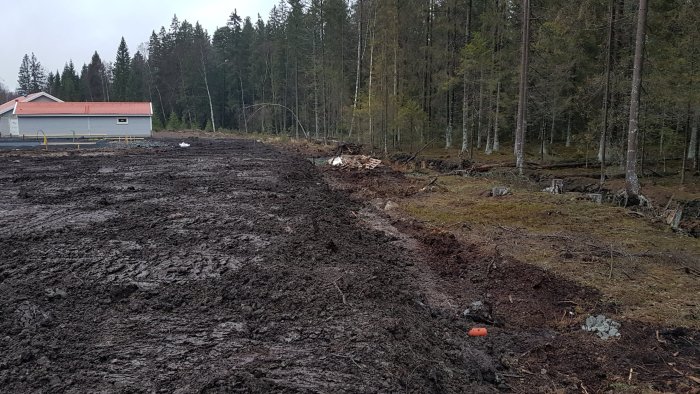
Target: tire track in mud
[(234, 267)]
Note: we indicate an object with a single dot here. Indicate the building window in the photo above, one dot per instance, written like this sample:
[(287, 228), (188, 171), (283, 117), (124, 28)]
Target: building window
[(122, 120)]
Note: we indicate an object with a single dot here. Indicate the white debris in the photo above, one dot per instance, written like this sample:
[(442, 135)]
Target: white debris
[(355, 161), (184, 145), (605, 328), (336, 161)]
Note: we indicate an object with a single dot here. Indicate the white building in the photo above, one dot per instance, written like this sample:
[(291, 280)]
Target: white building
[(81, 119), (7, 108)]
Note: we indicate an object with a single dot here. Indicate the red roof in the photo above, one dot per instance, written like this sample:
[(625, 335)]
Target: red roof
[(92, 108), (30, 97)]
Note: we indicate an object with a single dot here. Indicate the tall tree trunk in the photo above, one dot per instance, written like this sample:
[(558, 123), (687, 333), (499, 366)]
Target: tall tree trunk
[(686, 134), (479, 132), (551, 130), (465, 119), (496, 142), (662, 151), (385, 88), (206, 84), (642, 161), (542, 141), (548, 147), (697, 141), (369, 93), (396, 87), (316, 67), (245, 118), (631, 180), (465, 84), (489, 135), (358, 66), (450, 68), (568, 131), (521, 125), (606, 95), (694, 150), (296, 96)]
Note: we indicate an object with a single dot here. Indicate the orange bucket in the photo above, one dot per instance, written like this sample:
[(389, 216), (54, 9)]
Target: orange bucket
[(478, 332)]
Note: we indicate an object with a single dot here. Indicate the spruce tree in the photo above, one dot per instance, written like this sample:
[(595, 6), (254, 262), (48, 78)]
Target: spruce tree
[(95, 80), (122, 65), (37, 75), (137, 89), (173, 122), (70, 83), (24, 80)]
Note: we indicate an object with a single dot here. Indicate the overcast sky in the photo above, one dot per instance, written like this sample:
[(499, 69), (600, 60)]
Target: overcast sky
[(60, 30)]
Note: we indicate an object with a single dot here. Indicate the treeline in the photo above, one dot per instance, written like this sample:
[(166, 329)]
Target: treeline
[(399, 74)]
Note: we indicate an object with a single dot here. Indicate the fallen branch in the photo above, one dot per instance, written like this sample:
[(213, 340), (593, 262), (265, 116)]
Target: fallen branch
[(335, 283), (658, 338), (413, 157), (431, 182)]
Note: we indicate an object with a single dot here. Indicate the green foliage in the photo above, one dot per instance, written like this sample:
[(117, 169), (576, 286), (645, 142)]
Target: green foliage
[(173, 122), (24, 78), (120, 85), (157, 124)]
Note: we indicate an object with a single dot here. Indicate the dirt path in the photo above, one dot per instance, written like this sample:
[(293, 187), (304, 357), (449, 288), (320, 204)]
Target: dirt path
[(232, 267)]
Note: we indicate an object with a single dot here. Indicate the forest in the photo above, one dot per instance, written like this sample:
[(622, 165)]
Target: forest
[(399, 75)]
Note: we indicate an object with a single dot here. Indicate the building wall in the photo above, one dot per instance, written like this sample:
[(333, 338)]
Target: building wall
[(5, 124), (83, 126)]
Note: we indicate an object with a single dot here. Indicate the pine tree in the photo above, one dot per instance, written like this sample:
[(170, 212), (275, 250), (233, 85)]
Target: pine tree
[(120, 86)]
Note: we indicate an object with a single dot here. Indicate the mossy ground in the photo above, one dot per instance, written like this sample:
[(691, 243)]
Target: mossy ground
[(638, 263)]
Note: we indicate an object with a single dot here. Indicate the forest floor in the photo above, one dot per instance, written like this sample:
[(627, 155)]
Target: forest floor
[(239, 266)]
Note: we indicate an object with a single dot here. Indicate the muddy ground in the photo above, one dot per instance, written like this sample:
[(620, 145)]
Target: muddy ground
[(231, 266)]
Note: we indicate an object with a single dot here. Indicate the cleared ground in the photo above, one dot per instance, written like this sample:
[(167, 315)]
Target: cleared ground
[(231, 266)]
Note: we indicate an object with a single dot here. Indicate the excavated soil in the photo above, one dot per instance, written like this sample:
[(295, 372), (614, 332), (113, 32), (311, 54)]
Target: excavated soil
[(231, 266)]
